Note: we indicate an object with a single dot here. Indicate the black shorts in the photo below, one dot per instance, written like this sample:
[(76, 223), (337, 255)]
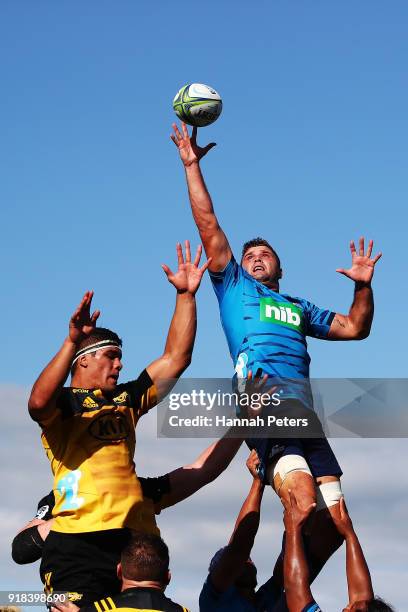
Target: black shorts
[(83, 564)]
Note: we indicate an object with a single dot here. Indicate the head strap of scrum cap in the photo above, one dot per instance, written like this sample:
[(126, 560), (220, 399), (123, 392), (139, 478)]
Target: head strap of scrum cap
[(92, 348)]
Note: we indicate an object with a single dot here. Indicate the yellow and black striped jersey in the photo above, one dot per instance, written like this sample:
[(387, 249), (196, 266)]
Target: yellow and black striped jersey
[(137, 599), (90, 442)]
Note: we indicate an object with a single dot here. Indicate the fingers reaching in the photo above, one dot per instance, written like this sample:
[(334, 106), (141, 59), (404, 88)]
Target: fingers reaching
[(95, 316), (205, 265), (167, 270), (188, 251), (198, 255), (361, 246), (185, 130), (84, 304), (208, 147), (194, 135), (179, 250), (177, 135)]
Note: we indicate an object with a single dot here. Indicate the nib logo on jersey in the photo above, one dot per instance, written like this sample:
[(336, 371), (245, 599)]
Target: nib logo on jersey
[(283, 313)]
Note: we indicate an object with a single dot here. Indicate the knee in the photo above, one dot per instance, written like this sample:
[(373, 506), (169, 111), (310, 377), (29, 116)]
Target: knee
[(328, 495)]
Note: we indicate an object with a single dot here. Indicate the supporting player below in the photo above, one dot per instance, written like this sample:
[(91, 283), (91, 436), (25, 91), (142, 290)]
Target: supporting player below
[(296, 571), (144, 574)]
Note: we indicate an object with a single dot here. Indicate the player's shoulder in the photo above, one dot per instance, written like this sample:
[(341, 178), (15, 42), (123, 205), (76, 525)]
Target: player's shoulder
[(299, 301), (134, 389), (136, 599)]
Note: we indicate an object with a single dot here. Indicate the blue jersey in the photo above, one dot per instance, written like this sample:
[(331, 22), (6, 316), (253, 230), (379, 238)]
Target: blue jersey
[(266, 331), (231, 601), (312, 607)]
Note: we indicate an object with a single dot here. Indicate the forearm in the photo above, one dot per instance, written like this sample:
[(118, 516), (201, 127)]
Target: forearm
[(362, 309), (200, 199), (52, 378), (185, 481), (296, 572), (247, 523), (182, 331), (358, 574), (215, 458)]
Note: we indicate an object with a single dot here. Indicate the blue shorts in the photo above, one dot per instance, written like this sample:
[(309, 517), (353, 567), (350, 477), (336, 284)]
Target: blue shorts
[(316, 450)]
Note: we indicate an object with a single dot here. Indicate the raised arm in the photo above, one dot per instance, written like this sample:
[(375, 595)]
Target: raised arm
[(295, 569), (358, 576), (357, 324), (236, 554), (181, 335), (213, 238), (48, 385), (187, 480)]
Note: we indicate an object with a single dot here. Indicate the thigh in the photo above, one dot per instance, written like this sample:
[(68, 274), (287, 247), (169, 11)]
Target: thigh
[(320, 457)]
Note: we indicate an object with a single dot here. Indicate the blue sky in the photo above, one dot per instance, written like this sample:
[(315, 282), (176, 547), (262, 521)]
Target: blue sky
[(311, 152)]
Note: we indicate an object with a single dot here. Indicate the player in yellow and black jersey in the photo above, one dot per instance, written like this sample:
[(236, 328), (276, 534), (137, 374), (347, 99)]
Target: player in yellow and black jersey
[(88, 432), (144, 574)]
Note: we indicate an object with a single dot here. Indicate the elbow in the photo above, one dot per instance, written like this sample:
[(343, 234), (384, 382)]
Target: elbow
[(27, 546), (208, 226), (183, 362), (35, 404), (178, 363), (362, 334), (38, 406), (17, 554)]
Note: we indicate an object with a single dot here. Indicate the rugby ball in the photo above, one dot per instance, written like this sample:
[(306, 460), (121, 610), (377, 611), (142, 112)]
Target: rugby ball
[(197, 104)]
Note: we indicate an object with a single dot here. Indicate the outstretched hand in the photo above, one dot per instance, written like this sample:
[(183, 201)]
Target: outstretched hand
[(188, 277), (362, 266), (82, 323), (342, 519), (253, 462), (64, 606), (294, 516), (188, 148)]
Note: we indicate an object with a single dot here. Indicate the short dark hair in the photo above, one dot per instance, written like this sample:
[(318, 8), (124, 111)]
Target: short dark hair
[(259, 242), (145, 557), (379, 605), (98, 334)]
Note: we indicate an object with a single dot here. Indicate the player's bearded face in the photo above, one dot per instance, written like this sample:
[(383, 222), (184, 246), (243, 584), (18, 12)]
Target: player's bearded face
[(262, 264), (102, 369)]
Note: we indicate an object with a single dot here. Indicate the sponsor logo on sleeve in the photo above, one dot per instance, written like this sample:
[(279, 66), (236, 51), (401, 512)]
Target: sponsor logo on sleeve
[(122, 398)]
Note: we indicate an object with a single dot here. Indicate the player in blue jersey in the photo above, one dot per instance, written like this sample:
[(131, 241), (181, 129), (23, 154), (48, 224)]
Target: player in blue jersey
[(232, 576), (266, 332)]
